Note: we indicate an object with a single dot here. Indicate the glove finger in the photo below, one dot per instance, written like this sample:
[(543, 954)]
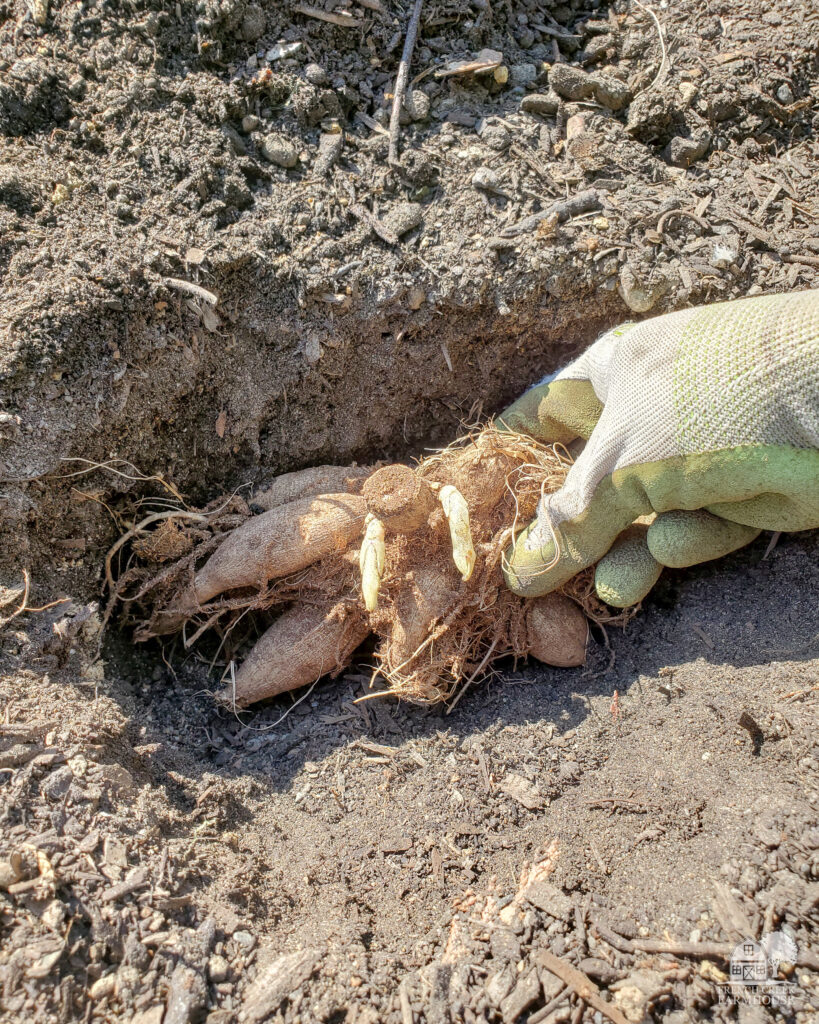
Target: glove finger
[(532, 565), (681, 538), (555, 412), (626, 573)]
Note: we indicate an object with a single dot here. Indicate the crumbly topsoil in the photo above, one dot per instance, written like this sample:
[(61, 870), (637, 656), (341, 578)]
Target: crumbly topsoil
[(156, 854)]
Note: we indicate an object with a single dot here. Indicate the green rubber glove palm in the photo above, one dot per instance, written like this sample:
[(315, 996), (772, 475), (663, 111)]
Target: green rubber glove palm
[(708, 417)]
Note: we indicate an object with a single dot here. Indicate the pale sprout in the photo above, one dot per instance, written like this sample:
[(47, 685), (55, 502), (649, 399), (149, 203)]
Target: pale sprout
[(457, 514), (371, 561)]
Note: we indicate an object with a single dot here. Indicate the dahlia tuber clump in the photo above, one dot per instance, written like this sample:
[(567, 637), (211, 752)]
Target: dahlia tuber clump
[(412, 556)]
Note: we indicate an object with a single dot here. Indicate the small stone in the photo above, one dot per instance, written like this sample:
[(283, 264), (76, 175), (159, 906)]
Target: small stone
[(683, 152), (640, 296), (416, 297), (523, 74), (103, 987), (315, 74), (540, 103), (599, 970), (254, 22), (218, 969), (55, 785), (279, 150), (417, 104), (403, 217), (688, 93), (250, 123), (281, 50), (77, 87), (485, 178), (575, 126), (785, 94), (244, 939)]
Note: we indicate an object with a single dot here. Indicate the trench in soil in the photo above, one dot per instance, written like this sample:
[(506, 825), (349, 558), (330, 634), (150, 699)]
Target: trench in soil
[(232, 408)]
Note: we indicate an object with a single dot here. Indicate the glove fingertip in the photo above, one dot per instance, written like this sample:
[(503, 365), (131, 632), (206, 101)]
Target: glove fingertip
[(628, 571)]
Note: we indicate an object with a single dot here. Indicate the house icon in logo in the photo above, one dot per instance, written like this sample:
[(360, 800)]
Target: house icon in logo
[(749, 964)]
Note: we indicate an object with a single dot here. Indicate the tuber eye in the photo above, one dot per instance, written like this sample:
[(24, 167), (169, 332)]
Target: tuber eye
[(457, 514)]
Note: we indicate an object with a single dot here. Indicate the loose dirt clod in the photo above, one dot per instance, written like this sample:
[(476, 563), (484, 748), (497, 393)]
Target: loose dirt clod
[(414, 558)]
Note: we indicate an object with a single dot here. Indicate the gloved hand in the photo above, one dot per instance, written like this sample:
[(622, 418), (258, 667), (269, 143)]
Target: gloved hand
[(708, 417)]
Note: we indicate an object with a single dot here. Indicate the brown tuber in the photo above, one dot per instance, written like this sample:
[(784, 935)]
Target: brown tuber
[(310, 483), (399, 498), (302, 645), (427, 595), (558, 630), (280, 542)]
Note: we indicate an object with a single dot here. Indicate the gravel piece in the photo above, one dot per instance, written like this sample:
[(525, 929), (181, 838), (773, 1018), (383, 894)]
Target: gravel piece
[(683, 152), (279, 150), (542, 103), (403, 217), (575, 84), (315, 74), (417, 105)]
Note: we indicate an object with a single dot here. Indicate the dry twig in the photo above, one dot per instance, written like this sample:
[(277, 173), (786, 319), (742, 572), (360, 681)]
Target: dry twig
[(334, 18), (401, 80), (192, 289), (23, 604), (581, 984), (656, 20)]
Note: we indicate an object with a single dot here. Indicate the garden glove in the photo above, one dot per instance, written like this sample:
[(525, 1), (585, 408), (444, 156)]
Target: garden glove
[(708, 417)]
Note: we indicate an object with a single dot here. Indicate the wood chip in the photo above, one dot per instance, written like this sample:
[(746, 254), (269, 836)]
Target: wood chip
[(377, 226), (274, 983), (522, 791), (486, 60), (136, 879), (192, 289)]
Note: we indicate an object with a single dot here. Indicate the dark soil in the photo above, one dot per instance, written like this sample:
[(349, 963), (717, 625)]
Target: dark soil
[(162, 862)]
